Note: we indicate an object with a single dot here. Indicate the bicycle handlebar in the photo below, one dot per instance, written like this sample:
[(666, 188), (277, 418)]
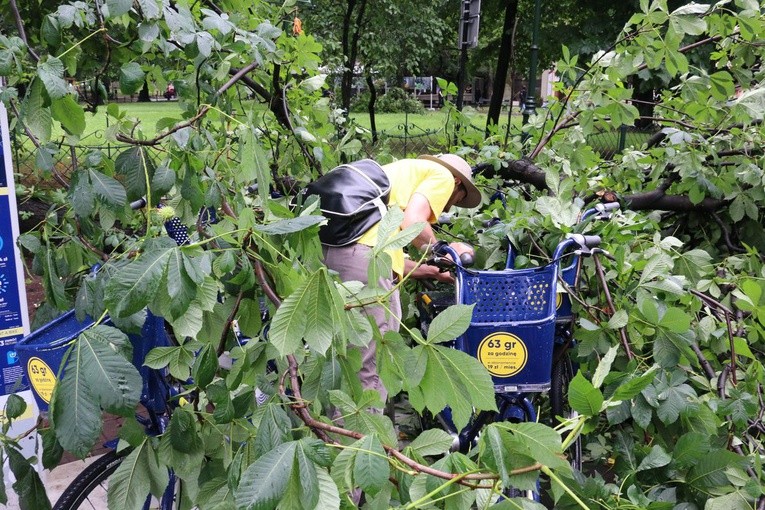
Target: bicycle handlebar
[(444, 257)]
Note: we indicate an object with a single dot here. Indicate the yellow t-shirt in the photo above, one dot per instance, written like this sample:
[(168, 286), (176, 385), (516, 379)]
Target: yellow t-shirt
[(407, 177)]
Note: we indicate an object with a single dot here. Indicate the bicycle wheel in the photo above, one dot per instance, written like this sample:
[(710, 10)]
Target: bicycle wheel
[(89, 489), (562, 374)]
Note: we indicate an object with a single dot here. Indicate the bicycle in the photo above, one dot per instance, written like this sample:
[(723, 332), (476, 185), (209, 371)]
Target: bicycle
[(521, 332), (47, 348)]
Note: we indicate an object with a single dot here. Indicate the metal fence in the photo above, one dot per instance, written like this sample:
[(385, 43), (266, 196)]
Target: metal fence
[(407, 140)]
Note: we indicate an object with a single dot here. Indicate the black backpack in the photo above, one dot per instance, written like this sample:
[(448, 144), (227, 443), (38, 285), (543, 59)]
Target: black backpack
[(354, 197)]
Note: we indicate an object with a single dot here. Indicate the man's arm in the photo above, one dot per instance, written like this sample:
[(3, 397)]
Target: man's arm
[(418, 210)]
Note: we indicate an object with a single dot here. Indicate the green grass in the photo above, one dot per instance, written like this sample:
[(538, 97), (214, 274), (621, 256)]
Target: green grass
[(150, 113), (428, 121)]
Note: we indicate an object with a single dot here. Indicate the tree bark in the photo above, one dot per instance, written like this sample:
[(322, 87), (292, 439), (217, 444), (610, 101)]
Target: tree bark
[(350, 45), (503, 64), (524, 171), (371, 107), (143, 96)]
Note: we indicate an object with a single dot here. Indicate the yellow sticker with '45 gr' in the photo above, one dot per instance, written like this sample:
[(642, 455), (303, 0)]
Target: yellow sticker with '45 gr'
[(42, 378), (503, 354)]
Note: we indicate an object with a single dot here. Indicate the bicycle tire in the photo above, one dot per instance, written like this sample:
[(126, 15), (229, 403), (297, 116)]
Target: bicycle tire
[(562, 374), (89, 487)]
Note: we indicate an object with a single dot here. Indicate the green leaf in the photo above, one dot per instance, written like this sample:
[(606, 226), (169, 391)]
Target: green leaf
[(687, 25), (220, 397), (675, 400), (177, 359), (450, 323), (70, 114), (15, 406), (52, 450), (36, 114), (432, 442), (81, 196), (370, 467), (183, 432), (51, 31), (628, 390), (618, 319), (540, 441), (138, 168), (96, 376), (723, 86), (265, 481), (738, 500), (656, 458), (494, 452), (131, 77), (135, 285), (290, 226), (456, 379), (118, 7), (51, 72), (584, 398), (675, 320), (690, 448), (181, 288), (604, 367), (709, 471), (274, 429), (205, 366), (150, 9), (306, 314), (137, 476), (108, 189), (304, 472), (329, 497), (391, 361), (28, 486), (389, 225)]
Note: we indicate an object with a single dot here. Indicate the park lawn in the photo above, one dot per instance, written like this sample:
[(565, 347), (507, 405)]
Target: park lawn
[(149, 114), (431, 121)]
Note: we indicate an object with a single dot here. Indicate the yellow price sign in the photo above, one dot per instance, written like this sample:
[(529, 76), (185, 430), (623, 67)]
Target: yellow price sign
[(42, 378), (503, 354)]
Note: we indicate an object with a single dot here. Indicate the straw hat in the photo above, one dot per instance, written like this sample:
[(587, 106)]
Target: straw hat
[(461, 170)]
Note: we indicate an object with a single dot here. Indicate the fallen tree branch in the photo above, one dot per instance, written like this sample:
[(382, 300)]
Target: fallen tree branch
[(322, 429)]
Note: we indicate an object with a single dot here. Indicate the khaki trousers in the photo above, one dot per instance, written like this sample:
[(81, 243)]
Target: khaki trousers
[(351, 263)]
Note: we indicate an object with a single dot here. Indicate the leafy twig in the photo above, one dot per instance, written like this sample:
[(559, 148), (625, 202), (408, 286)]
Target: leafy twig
[(604, 284)]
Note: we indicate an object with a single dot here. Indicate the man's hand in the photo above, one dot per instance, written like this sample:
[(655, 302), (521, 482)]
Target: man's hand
[(425, 271), (461, 248)]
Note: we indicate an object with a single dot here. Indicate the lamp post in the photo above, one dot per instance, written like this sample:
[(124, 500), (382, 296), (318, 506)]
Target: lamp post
[(531, 100), (470, 15)]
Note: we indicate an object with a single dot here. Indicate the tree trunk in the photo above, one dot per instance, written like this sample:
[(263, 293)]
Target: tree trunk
[(503, 64), (350, 44), (644, 103), (143, 96), (371, 107)]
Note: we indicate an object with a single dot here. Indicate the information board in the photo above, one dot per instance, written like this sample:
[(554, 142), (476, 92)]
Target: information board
[(14, 321)]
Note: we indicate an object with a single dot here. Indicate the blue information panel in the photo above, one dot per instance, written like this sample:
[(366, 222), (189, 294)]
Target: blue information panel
[(14, 322)]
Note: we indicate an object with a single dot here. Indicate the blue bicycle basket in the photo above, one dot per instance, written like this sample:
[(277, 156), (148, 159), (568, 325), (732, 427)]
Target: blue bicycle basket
[(42, 352), (513, 325)]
